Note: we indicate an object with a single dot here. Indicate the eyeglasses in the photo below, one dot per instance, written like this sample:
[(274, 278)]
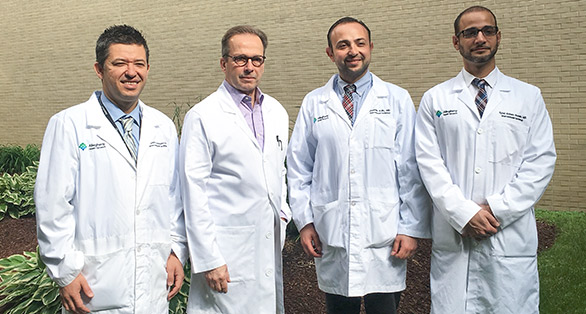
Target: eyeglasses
[(472, 32), (242, 60)]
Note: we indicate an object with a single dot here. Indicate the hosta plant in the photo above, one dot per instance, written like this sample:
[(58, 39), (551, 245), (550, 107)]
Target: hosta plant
[(16, 193), (26, 287)]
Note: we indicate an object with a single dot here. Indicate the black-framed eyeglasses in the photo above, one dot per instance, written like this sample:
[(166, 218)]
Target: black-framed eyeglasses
[(242, 60), (472, 32)]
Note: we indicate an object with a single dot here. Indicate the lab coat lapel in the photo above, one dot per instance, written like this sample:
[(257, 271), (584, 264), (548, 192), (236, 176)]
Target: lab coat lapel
[(332, 100), (464, 95), (499, 92), (149, 131), (375, 95), (228, 105), (104, 130)]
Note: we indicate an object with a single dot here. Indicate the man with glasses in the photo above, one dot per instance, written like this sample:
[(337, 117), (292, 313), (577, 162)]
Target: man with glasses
[(485, 151), (355, 190), (232, 155)]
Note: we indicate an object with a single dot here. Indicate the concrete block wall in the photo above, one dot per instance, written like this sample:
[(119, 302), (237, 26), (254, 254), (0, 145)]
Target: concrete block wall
[(47, 56)]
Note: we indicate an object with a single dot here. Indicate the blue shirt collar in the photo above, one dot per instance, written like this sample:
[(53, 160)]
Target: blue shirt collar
[(362, 85), (116, 113)]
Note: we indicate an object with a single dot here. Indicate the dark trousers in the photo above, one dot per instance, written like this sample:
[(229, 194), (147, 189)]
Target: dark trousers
[(374, 303)]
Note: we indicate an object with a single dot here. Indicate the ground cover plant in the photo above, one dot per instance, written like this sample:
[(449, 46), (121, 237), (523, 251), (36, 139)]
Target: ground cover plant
[(15, 159), (562, 270)]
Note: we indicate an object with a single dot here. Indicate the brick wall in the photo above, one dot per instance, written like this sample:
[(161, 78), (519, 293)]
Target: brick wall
[(47, 55)]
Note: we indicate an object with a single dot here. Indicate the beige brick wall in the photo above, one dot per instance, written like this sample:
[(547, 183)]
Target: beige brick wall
[(47, 54)]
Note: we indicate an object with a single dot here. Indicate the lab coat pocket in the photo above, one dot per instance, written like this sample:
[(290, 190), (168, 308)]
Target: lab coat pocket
[(508, 142), (382, 131), (109, 277), (237, 247), (518, 239), (382, 229), (330, 223)]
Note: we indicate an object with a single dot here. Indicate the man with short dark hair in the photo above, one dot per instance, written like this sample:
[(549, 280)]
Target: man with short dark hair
[(485, 151), (354, 187), (233, 148), (109, 216)]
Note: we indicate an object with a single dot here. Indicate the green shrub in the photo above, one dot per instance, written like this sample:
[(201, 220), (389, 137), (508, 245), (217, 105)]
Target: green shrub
[(17, 191), (26, 287), (15, 159)]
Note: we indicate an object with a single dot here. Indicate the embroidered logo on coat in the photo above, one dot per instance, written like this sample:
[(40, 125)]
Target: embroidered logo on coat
[(320, 118), (82, 146), (446, 113)]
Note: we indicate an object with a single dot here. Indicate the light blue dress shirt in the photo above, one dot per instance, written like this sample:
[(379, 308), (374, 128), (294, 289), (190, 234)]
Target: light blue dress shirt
[(363, 86)]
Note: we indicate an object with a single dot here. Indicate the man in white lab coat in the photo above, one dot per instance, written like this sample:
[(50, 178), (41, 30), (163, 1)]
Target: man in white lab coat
[(109, 216), (485, 150), (233, 148), (354, 187)]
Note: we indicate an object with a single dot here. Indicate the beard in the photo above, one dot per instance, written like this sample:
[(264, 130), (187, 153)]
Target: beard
[(479, 59)]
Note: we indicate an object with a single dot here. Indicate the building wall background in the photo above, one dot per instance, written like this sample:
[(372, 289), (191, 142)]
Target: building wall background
[(47, 56)]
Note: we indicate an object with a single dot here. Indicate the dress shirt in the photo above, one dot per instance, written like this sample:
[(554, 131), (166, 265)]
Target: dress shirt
[(116, 114), (363, 85), (490, 79), (252, 114)]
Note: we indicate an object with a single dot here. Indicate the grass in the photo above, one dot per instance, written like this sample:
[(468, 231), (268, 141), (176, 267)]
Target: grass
[(562, 268)]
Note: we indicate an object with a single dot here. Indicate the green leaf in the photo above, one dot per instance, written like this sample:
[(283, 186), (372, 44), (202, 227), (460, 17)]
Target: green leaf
[(50, 296)]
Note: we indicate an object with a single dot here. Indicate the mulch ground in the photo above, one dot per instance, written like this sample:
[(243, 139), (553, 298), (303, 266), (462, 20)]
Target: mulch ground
[(302, 295)]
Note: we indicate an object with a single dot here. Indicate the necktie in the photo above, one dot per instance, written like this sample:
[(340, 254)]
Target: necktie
[(481, 97), (127, 122), (347, 102)]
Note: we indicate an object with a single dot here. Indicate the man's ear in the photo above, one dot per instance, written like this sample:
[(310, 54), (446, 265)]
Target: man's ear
[(330, 53), (99, 70), (223, 64), (455, 42)]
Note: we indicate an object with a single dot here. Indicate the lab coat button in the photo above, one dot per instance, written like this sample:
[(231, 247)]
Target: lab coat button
[(480, 131), (137, 212), (352, 171), (268, 235), (353, 203), (269, 272), (477, 170)]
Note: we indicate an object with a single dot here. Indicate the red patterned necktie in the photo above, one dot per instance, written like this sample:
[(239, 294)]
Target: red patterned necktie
[(347, 102), (481, 97)]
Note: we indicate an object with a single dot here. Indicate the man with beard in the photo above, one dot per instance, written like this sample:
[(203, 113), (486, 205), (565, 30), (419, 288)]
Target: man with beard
[(354, 186), (485, 150)]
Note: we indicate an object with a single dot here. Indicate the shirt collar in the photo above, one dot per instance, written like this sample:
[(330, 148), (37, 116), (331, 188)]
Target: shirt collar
[(361, 85), (239, 96), (490, 79), (116, 113)]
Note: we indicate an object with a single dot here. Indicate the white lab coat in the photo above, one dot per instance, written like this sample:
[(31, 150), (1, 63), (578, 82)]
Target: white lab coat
[(233, 194), (505, 159), (99, 214), (358, 185)]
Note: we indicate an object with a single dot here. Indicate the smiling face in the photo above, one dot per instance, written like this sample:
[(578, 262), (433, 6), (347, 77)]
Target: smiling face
[(247, 77), (478, 52), (350, 51), (124, 75)]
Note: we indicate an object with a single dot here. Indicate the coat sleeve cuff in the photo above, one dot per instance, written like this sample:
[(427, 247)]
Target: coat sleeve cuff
[(69, 268)]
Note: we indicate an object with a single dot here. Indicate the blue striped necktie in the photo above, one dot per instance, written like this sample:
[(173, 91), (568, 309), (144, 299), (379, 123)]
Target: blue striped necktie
[(127, 122), (481, 98)]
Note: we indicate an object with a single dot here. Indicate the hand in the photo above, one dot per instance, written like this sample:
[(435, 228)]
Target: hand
[(218, 278), (404, 246), (175, 275), (482, 225), (310, 241), (71, 295)]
